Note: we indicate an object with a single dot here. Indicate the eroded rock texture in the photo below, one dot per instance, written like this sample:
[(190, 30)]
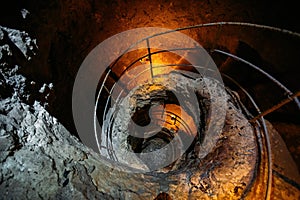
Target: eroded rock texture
[(41, 159), (67, 30)]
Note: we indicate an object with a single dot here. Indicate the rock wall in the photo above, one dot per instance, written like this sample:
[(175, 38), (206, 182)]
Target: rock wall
[(67, 30), (42, 44)]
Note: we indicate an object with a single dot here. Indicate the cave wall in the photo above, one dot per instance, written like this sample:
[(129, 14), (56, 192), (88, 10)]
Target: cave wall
[(67, 30)]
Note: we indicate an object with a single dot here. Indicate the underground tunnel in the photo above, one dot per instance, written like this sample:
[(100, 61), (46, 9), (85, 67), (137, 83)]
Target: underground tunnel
[(210, 86)]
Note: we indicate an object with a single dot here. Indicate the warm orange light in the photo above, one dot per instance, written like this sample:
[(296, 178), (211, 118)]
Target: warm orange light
[(173, 117)]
